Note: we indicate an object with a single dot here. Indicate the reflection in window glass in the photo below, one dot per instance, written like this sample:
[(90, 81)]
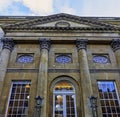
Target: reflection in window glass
[(19, 98), (109, 99)]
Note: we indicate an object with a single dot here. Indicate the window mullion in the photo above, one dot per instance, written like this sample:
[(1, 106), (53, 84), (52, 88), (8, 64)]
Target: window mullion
[(64, 106), (9, 99), (117, 94), (75, 105)]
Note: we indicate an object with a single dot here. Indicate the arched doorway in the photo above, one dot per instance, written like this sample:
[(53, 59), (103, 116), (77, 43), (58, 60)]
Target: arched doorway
[(64, 100)]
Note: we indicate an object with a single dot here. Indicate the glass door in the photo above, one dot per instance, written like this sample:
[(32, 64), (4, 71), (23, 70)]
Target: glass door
[(64, 102)]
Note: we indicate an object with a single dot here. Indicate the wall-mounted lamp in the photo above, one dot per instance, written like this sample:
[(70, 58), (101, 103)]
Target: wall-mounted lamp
[(39, 101), (38, 106), (93, 105)]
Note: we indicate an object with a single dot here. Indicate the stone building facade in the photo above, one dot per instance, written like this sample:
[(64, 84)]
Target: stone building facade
[(65, 61)]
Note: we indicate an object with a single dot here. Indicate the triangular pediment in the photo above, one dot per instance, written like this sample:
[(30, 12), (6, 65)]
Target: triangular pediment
[(58, 21)]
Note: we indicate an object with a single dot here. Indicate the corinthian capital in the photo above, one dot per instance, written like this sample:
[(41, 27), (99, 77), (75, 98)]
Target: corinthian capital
[(45, 43), (115, 44), (8, 43), (81, 44)]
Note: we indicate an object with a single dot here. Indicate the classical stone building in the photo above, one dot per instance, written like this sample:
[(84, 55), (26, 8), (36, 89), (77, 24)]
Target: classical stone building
[(58, 65)]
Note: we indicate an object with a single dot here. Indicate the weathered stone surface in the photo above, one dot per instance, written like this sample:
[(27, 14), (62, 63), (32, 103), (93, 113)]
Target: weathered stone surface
[(44, 72), (84, 75), (115, 44)]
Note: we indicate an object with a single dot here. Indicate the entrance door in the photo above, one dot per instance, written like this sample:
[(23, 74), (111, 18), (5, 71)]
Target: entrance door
[(64, 100)]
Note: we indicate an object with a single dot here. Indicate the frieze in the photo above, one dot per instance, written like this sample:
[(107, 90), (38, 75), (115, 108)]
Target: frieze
[(104, 70), (10, 70)]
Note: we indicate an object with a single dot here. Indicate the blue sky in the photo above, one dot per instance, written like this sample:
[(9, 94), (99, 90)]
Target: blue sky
[(101, 8)]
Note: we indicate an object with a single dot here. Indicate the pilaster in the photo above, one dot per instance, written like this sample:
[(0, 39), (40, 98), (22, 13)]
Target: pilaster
[(8, 45), (42, 86), (81, 45), (115, 44)]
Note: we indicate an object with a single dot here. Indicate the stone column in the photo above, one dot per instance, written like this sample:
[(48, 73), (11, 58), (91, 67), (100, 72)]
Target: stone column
[(8, 46), (115, 44), (42, 86), (81, 45)]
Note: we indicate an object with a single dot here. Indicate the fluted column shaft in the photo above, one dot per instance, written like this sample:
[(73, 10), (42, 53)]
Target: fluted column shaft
[(8, 45), (115, 44), (42, 87), (84, 75)]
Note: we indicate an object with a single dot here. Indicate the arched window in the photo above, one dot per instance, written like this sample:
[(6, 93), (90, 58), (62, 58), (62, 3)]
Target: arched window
[(64, 100)]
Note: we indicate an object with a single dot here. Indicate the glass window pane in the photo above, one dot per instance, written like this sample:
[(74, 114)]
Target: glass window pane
[(59, 103), (108, 98), (18, 103)]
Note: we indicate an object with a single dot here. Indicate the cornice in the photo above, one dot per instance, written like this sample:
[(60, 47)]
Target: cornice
[(51, 29)]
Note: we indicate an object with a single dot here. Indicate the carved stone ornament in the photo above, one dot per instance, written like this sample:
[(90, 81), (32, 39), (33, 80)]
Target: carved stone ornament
[(115, 44), (8, 43), (81, 44), (62, 24), (45, 43)]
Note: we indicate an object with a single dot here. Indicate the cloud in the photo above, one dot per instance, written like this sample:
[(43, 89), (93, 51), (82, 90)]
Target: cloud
[(67, 9), (39, 7), (65, 6), (4, 4), (46, 7), (101, 8), (36, 7)]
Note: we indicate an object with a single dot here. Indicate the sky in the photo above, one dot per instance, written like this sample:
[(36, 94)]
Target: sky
[(100, 8)]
